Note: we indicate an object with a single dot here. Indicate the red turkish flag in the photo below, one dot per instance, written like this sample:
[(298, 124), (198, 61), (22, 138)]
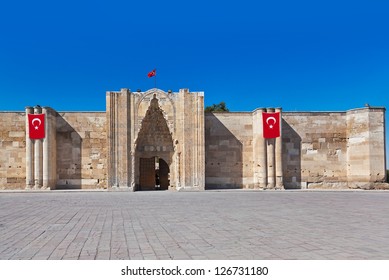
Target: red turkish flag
[(271, 125), (36, 126), (152, 73)]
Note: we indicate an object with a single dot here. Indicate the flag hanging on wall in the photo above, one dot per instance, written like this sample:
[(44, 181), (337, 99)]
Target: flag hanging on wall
[(36, 125), (271, 125), (152, 73)]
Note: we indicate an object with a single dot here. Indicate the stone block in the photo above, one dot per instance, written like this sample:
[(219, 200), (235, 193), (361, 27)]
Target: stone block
[(17, 134)]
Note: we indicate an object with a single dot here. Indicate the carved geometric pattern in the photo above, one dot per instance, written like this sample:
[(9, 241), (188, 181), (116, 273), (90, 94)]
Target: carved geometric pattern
[(154, 135), (166, 98)]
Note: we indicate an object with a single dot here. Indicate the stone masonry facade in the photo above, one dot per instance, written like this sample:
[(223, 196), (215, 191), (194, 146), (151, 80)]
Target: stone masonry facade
[(153, 139)]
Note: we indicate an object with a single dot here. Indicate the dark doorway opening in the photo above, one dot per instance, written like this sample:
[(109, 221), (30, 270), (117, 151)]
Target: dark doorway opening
[(154, 174), (164, 174)]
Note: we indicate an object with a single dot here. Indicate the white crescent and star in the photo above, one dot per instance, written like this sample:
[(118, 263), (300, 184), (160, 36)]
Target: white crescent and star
[(36, 120), (271, 118)]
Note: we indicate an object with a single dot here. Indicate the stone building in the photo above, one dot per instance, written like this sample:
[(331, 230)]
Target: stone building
[(163, 140)]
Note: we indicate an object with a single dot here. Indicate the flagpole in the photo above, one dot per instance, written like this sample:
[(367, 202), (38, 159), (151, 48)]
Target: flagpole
[(153, 74), (155, 80)]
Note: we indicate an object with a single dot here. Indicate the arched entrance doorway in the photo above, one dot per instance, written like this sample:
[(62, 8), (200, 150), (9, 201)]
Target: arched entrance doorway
[(169, 125), (154, 174), (154, 150)]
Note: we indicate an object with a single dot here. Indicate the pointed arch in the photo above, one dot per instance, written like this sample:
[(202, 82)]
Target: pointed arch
[(168, 104), (154, 141)]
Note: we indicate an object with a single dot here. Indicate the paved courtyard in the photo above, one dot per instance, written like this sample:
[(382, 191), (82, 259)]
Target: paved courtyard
[(195, 225)]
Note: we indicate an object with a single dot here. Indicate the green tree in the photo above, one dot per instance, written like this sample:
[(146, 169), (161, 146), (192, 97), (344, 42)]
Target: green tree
[(221, 107)]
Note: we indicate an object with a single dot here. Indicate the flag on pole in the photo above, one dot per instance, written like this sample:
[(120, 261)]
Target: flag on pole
[(271, 125), (152, 73), (36, 126)]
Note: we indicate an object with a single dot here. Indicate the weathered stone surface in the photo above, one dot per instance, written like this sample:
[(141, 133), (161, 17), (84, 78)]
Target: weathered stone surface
[(154, 125), (193, 150), (228, 150), (81, 148), (12, 150)]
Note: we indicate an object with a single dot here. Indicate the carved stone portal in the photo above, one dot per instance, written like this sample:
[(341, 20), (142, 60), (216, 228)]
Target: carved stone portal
[(156, 140)]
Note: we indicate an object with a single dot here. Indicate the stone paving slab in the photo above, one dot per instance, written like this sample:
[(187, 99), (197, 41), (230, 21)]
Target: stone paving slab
[(194, 225)]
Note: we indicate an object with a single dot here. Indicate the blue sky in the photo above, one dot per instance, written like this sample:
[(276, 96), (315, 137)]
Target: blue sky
[(298, 55)]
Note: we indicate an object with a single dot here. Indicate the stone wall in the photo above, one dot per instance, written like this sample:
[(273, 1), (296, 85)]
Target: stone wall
[(81, 143), (12, 150), (81, 150), (190, 138), (336, 150), (314, 148), (366, 147), (319, 149), (228, 150)]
